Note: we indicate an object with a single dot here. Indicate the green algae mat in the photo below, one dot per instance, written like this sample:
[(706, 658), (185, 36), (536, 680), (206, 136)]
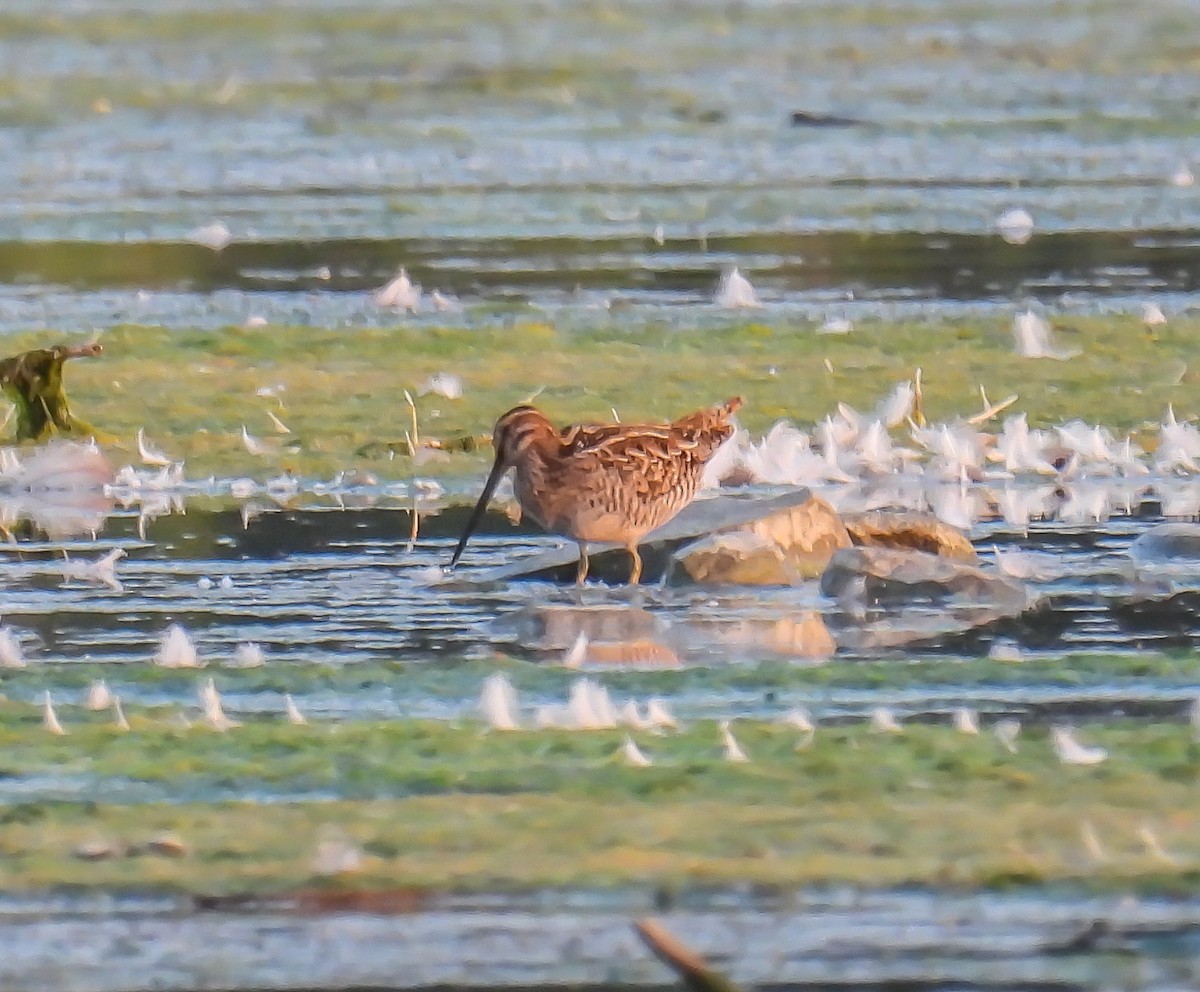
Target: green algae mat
[(342, 394), (269, 807)]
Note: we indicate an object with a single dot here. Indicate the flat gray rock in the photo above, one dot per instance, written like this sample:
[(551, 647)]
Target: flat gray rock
[(879, 586), (610, 562), (890, 575)]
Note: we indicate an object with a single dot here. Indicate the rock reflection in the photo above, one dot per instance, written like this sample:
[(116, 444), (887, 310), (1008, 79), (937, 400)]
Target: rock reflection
[(58, 490), (806, 638), (610, 635), (57, 516)]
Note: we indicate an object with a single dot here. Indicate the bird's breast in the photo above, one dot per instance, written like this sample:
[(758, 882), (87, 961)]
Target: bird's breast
[(606, 503)]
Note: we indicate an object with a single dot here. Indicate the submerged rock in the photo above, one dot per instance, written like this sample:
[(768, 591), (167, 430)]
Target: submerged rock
[(896, 629), (889, 575), (1167, 612), (1167, 542), (910, 529)]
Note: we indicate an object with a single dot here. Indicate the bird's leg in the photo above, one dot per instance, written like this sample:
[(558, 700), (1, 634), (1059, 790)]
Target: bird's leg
[(581, 574), (635, 571)]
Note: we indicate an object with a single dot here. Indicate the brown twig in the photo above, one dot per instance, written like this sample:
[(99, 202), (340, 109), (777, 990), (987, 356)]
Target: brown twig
[(991, 409), (691, 968)]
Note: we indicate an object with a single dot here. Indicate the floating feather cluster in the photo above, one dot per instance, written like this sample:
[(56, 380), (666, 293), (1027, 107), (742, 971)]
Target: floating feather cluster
[(963, 473), (176, 650), (588, 707), (735, 292)]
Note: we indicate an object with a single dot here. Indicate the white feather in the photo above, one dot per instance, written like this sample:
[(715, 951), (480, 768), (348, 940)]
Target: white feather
[(279, 426), (576, 654), (730, 748), (1091, 842), (50, 718), (149, 455), (99, 697), (1072, 752), (883, 721), (400, 293), (633, 756), (214, 235), (102, 571), (735, 292), (11, 655), (966, 721), (657, 715), (1034, 338), (119, 715), (498, 703), (897, 407), (630, 716), (1006, 733), (1153, 848), (798, 718), (176, 650), (1015, 225), (248, 655), (254, 445), (1152, 315), (214, 710), (443, 384), (294, 716)]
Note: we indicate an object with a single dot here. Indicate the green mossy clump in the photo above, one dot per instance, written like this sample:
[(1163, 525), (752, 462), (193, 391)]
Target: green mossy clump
[(33, 381)]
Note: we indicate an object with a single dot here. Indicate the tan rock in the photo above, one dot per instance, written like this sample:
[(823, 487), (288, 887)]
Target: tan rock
[(909, 529), (789, 546), (736, 558), (808, 535)]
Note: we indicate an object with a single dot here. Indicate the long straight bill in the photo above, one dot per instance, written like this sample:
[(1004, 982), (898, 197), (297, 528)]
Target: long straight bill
[(493, 480)]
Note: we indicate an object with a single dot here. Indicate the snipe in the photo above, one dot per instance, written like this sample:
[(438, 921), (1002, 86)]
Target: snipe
[(603, 483)]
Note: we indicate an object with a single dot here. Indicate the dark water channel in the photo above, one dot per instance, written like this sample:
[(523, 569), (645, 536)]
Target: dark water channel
[(315, 583)]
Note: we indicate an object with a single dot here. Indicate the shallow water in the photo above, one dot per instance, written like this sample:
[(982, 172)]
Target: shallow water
[(315, 583), (817, 940), (594, 163)]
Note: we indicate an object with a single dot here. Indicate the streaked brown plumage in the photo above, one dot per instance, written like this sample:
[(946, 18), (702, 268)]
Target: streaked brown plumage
[(602, 482)]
